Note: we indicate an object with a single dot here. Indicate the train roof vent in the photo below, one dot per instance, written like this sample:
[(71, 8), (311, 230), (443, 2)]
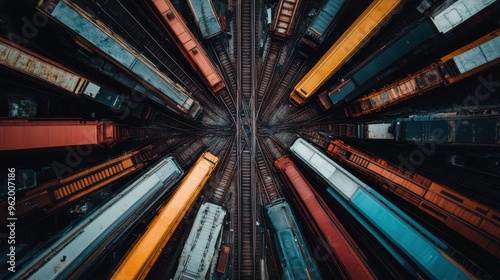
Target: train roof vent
[(170, 15)]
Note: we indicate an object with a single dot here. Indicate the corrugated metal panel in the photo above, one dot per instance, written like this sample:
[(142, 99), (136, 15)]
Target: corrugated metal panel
[(18, 135), (37, 68)]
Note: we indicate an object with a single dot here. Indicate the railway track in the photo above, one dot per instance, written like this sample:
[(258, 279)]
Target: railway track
[(269, 186), (247, 265), (187, 153), (268, 73), (294, 71), (247, 243), (226, 96), (305, 115), (225, 62), (225, 177)]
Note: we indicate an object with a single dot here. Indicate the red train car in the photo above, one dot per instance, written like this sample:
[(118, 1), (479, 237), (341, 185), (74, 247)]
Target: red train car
[(223, 258), (475, 221), (187, 43), (284, 18), (31, 134), (347, 258)]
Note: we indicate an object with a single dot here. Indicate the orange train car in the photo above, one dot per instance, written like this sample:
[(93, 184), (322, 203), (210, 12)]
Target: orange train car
[(346, 259), (187, 43), (477, 222), (54, 194), (145, 251)]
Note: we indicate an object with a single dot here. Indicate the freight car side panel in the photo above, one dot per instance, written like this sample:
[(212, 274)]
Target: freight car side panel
[(38, 68), (469, 218), (35, 136), (346, 46)]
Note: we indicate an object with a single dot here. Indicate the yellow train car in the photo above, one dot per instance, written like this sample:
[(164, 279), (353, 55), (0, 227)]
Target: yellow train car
[(345, 47), (144, 253)]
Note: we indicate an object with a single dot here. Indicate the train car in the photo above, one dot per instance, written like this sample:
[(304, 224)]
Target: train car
[(475, 221), (413, 246), (346, 46), (104, 41), (344, 255), (78, 248), (455, 128), (140, 258), (440, 22), (323, 21), (456, 66), (448, 128), (294, 255), (198, 252), (34, 65), (223, 259), (284, 19), (57, 193), (206, 18), (187, 43), (36, 134)]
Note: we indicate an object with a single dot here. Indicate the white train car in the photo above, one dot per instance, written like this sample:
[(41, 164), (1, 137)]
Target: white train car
[(77, 249), (458, 12), (200, 245)]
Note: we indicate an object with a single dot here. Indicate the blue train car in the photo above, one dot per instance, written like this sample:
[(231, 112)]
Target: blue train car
[(294, 255), (123, 55), (316, 31), (413, 246), (440, 22), (392, 54), (448, 128), (205, 17)]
